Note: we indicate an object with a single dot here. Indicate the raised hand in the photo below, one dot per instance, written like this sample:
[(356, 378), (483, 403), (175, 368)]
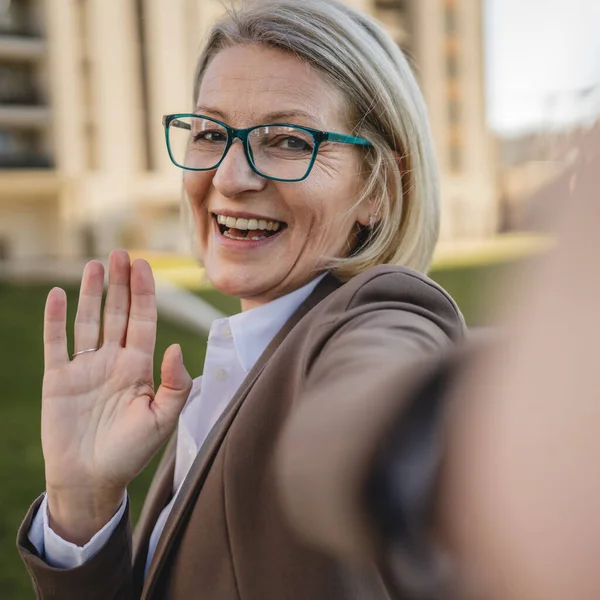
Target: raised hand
[(102, 420)]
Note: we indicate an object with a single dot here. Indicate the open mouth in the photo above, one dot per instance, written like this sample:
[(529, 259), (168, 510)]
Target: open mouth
[(254, 230)]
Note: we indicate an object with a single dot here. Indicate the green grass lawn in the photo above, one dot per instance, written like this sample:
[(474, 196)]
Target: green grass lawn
[(21, 367), (21, 465)]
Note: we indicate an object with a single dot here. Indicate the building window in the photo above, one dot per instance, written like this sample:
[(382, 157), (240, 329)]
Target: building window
[(16, 17), (18, 84), (22, 149)]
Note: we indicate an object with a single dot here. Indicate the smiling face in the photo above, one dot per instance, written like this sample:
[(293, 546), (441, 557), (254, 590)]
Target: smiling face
[(293, 227)]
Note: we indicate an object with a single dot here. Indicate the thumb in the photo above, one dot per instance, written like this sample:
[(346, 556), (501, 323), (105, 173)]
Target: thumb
[(174, 389)]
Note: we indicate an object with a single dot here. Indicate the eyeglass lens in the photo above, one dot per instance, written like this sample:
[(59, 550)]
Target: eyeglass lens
[(278, 151)]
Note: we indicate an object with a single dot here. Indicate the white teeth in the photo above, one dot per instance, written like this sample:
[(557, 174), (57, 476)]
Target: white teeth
[(248, 224), (244, 239), (234, 237)]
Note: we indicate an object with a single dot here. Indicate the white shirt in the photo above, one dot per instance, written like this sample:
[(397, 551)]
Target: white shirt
[(234, 346)]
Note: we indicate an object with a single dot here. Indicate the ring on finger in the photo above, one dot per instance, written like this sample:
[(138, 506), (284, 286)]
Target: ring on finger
[(85, 351)]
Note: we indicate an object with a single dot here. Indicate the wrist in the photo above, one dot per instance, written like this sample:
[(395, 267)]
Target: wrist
[(76, 516)]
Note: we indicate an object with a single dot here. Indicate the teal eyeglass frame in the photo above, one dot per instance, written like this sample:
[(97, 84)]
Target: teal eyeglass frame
[(242, 134)]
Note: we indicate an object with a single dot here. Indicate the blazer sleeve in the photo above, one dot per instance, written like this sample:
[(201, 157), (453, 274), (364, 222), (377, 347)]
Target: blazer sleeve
[(375, 354), (107, 576)]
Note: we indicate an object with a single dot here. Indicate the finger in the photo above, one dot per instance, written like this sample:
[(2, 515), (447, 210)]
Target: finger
[(87, 320), (141, 329), (55, 330), (116, 309), (173, 392)]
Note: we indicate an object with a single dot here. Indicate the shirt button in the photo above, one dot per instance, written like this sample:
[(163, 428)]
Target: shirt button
[(227, 332), (220, 374)]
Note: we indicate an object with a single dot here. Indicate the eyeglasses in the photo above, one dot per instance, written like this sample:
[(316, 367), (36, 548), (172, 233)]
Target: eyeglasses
[(279, 151)]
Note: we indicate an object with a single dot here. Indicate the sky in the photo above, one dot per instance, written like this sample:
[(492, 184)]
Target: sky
[(540, 54)]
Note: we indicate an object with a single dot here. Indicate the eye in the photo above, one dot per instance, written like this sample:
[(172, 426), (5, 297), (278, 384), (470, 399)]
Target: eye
[(292, 143), (208, 135)]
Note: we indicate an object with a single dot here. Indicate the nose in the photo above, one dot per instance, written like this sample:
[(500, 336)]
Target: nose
[(235, 176)]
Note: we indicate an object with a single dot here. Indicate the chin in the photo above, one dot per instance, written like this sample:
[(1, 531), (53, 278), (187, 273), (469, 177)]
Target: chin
[(241, 282)]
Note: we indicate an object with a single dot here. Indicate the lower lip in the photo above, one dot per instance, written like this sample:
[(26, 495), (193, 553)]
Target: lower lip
[(243, 244)]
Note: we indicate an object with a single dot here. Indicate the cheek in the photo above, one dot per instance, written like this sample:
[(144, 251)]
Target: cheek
[(197, 186), (336, 214), (310, 208), (321, 228), (332, 199)]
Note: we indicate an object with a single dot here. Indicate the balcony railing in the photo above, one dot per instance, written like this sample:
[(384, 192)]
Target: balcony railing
[(26, 97), (24, 117), (16, 48), (28, 31), (25, 161)]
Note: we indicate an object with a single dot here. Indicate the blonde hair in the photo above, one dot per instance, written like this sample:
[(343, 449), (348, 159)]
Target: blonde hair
[(386, 106)]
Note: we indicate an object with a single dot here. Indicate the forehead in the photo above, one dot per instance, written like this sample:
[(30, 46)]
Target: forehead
[(246, 84)]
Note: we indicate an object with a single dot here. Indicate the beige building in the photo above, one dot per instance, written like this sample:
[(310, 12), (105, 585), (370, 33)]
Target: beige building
[(444, 39), (83, 85)]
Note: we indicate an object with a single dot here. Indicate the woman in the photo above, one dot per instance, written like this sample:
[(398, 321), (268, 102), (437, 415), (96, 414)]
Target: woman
[(515, 509), (309, 169)]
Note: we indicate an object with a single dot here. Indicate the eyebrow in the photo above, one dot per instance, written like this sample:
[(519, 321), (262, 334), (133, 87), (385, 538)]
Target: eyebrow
[(272, 117)]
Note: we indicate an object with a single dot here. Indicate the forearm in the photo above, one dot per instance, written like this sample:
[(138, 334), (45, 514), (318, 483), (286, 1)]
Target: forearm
[(517, 494), (525, 431)]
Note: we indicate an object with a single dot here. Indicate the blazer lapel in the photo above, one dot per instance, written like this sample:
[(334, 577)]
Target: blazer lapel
[(158, 497), (199, 470)]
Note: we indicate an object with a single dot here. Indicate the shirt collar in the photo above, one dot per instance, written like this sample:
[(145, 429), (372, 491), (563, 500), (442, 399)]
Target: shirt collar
[(254, 329)]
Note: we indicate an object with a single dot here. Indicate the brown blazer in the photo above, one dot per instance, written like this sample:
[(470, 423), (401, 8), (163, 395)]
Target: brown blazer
[(227, 536)]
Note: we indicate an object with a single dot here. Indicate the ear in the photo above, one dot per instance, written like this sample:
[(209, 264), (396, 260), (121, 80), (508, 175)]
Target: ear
[(365, 213)]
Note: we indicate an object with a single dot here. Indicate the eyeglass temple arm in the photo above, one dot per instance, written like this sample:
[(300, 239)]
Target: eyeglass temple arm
[(347, 139), (176, 123)]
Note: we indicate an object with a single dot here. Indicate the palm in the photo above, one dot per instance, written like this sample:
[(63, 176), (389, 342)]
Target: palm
[(102, 421)]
